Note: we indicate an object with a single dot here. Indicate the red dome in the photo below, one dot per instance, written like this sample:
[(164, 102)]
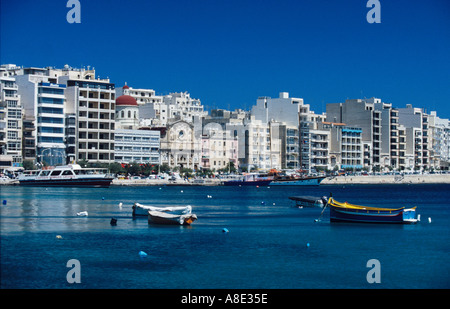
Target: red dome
[(126, 100), (125, 87)]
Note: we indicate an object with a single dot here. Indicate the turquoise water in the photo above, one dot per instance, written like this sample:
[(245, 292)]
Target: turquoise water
[(266, 246)]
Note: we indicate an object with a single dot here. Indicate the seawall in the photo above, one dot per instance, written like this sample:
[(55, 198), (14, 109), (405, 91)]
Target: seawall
[(388, 179)]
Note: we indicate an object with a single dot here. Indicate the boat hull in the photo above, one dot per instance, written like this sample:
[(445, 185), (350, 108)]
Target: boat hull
[(142, 210), (338, 213), (156, 217), (299, 182), (247, 183), (91, 182)]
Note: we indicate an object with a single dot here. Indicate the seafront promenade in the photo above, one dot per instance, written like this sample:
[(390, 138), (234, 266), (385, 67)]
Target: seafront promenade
[(338, 180), (388, 179)]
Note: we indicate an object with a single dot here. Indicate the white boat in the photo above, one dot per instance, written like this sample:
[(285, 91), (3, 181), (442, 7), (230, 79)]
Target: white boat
[(158, 217), (142, 210), (72, 175), (309, 201)]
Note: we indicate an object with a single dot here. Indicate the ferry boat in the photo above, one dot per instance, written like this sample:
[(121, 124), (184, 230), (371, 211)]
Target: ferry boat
[(248, 179), (72, 175)]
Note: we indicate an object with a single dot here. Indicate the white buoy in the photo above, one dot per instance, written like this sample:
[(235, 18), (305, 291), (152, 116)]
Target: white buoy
[(82, 214), (181, 191), (120, 205), (58, 237), (142, 254), (429, 219)]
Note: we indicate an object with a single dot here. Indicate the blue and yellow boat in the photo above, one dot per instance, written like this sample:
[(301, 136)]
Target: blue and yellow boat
[(346, 212)]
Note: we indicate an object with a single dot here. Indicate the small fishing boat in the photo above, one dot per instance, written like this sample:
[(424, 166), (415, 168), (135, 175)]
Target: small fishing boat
[(309, 201), (158, 217), (142, 210), (346, 212)]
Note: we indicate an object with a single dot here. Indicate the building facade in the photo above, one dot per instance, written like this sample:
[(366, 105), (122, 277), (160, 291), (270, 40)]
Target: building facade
[(140, 146), (10, 123)]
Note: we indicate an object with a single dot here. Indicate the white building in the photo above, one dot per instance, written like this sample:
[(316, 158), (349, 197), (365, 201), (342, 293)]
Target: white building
[(415, 121), (91, 101), (219, 148), (141, 146), (10, 122), (43, 101), (181, 144), (440, 136), (286, 112)]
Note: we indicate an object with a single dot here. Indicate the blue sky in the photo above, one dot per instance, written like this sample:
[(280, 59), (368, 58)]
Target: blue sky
[(227, 53)]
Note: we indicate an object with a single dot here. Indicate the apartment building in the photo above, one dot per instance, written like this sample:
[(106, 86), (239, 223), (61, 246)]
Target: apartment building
[(379, 123), (287, 112), (43, 101), (415, 120), (10, 123), (159, 111), (91, 101), (440, 146), (219, 148)]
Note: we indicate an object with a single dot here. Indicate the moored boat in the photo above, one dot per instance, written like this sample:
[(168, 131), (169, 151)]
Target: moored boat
[(249, 179), (158, 217), (72, 175), (308, 201), (305, 181), (346, 212), (142, 210)]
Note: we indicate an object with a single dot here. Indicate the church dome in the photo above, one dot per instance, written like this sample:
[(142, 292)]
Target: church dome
[(126, 100)]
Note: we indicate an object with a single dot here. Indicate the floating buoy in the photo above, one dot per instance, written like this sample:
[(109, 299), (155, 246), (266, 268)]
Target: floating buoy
[(4, 202), (307, 244), (181, 191), (58, 237), (82, 213), (225, 230), (113, 221), (103, 198), (142, 254), (429, 219), (262, 203), (273, 204)]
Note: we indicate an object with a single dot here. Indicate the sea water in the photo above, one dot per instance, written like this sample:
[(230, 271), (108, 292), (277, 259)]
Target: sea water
[(269, 243)]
